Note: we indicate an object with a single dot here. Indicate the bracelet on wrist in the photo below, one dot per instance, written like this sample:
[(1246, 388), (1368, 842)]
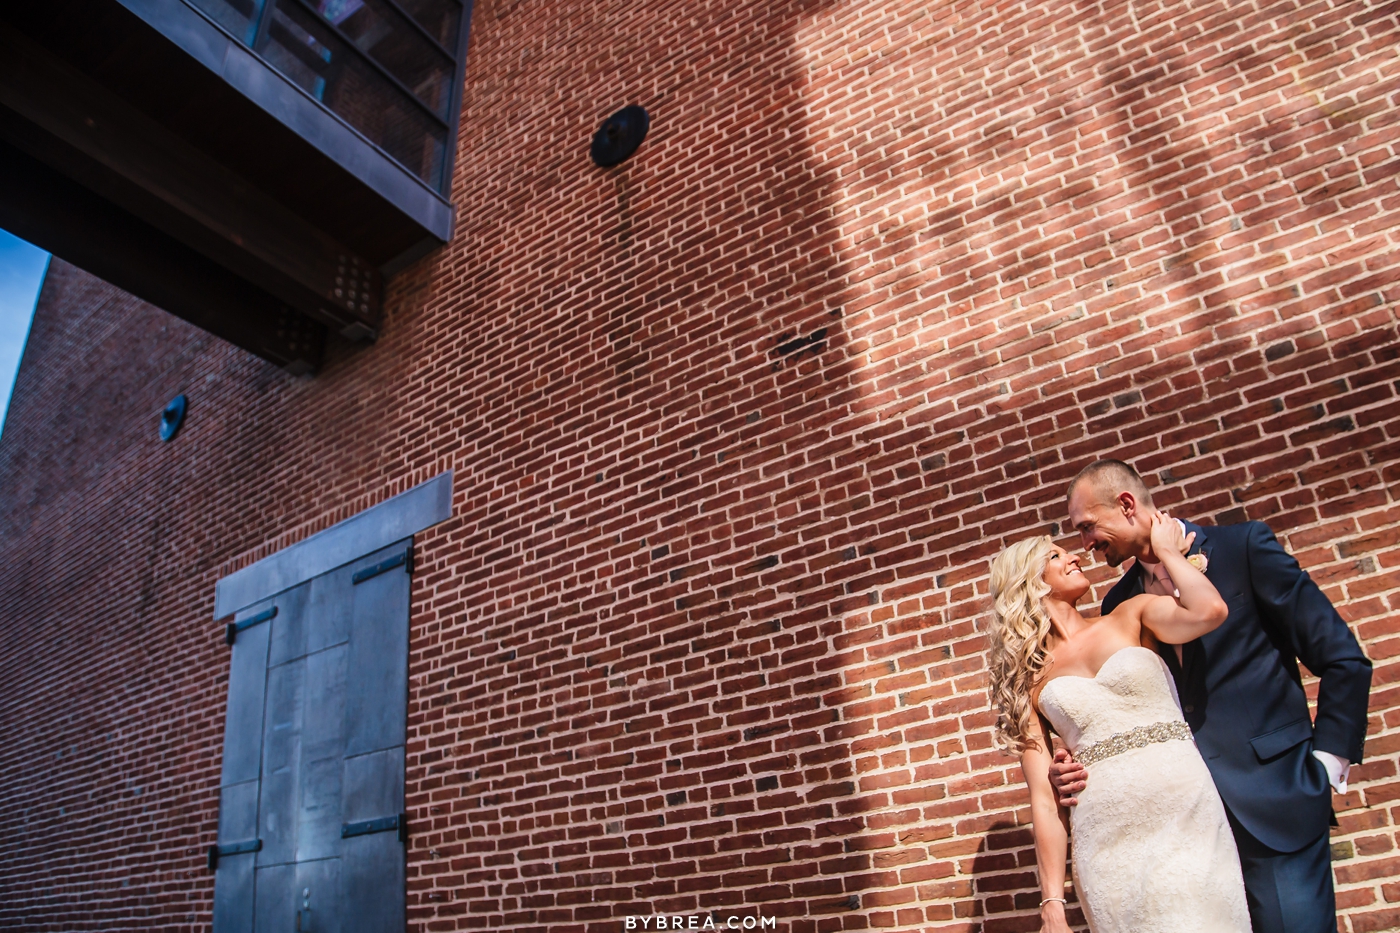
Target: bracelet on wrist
[(1047, 900)]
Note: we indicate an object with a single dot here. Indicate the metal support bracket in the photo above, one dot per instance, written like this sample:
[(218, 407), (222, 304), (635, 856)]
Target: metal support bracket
[(382, 825), (231, 633), (405, 560), (217, 852)]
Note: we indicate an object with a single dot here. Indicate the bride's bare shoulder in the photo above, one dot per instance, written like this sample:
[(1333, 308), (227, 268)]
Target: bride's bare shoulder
[(1127, 615), (1132, 606)]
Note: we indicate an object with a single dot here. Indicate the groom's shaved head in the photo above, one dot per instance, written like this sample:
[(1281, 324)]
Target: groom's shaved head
[(1108, 478), (1110, 507)]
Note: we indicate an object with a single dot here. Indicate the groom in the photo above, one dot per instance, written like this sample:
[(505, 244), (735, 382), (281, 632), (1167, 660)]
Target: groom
[(1241, 693)]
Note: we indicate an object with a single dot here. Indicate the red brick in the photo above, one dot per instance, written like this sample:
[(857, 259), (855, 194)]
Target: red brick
[(594, 356)]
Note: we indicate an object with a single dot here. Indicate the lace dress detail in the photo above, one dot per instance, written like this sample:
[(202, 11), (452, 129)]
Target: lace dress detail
[(1152, 850)]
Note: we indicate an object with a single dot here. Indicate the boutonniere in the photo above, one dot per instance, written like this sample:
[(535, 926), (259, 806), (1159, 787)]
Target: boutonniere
[(1198, 560)]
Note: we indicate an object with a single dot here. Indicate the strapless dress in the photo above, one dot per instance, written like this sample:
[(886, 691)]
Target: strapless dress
[(1151, 849)]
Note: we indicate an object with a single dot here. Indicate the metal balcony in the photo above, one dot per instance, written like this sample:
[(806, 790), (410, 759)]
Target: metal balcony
[(256, 167)]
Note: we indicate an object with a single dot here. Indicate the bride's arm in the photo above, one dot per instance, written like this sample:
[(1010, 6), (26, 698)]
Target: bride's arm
[(1198, 610), (1051, 829)]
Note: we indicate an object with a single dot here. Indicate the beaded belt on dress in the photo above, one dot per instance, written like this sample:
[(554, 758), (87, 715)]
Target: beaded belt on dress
[(1141, 737)]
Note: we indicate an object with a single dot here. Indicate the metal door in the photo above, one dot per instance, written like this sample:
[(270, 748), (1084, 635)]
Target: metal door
[(311, 824)]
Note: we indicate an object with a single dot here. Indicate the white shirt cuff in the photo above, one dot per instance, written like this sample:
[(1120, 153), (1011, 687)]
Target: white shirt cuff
[(1337, 770)]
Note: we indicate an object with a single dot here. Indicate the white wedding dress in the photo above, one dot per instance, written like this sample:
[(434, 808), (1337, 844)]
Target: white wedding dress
[(1152, 851)]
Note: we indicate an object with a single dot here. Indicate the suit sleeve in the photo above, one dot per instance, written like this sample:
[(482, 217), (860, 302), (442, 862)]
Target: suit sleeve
[(1297, 609)]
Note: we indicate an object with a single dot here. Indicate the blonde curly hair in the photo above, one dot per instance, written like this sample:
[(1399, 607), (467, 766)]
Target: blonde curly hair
[(1018, 632)]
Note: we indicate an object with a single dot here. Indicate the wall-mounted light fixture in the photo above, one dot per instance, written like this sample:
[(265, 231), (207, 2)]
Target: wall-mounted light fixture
[(619, 136), (173, 417)]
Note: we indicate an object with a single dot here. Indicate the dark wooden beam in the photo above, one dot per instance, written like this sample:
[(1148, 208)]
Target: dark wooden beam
[(185, 73), (65, 120), (54, 212)]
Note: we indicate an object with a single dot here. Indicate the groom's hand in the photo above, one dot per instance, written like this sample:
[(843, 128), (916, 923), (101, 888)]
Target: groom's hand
[(1067, 776)]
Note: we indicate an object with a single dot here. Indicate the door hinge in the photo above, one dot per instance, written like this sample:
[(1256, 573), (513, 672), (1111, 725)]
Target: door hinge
[(382, 825), (404, 560), (217, 852), (231, 633)]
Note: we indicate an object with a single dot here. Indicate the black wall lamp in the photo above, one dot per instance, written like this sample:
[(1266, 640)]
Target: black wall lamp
[(620, 136), (173, 417)]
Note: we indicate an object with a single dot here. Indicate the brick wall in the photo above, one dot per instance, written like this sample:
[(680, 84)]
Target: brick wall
[(736, 428)]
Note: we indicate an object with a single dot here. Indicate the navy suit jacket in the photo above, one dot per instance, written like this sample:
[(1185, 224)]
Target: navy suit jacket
[(1242, 693)]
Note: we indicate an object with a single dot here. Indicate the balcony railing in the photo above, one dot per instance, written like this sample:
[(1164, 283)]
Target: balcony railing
[(386, 68)]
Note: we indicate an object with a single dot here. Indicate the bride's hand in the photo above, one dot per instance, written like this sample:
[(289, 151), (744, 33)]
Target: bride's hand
[(1052, 918), (1167, 537)]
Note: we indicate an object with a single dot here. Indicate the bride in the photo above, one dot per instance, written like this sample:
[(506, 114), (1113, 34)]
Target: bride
[(1153, 852)]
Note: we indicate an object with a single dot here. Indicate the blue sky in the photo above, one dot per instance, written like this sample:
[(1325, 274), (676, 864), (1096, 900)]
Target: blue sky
[(21, 270)]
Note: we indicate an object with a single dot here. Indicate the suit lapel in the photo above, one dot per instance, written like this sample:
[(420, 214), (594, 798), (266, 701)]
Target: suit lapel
[(1202, 544), (1165, 651), (1193, 652), (1135, 587), (1167, 654)]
